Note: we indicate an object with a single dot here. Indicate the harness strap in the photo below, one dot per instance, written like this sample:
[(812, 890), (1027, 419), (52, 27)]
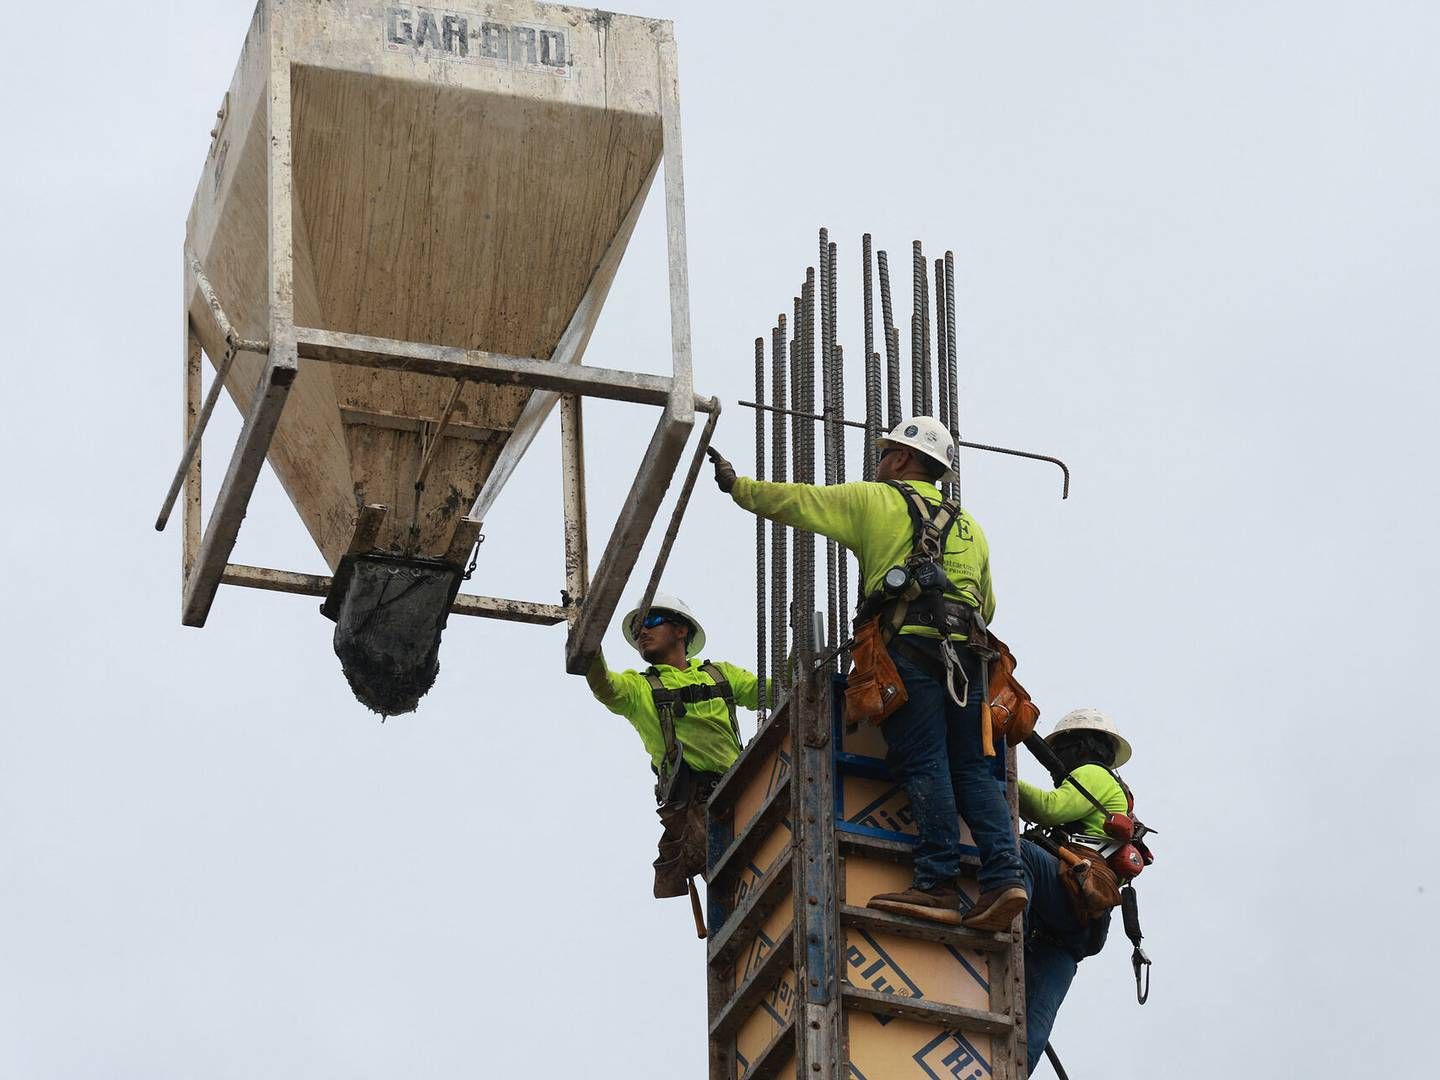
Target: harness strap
[(1124, 787), (929, 526), (722, 685), (670, 704), (665, 702), (930, 531)]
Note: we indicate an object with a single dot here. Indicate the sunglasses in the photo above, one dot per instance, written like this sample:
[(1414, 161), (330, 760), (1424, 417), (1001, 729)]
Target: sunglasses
[(653, 620)]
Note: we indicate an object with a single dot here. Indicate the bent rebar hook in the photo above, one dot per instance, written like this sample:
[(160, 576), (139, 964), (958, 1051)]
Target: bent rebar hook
[(1064, 469)]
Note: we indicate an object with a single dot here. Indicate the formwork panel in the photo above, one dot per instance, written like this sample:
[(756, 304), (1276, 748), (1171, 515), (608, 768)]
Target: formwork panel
[(759, 1030), (961, 979), (889, 964), (766, 778), (756, 870), (890, 1048), (863, 878)]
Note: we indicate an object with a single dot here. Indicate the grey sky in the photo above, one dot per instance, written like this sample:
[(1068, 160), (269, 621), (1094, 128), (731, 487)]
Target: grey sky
[(1197, 249)]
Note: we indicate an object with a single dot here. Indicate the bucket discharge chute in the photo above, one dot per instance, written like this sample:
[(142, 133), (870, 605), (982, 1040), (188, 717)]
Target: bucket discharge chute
[(405, 229)]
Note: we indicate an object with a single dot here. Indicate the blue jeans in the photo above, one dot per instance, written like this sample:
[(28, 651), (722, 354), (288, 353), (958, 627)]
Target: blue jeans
[(933, 748), (1055, 943)]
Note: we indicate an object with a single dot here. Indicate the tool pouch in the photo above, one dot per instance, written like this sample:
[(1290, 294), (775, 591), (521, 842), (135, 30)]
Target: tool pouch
[(1012, 713), (1092, 886), (873, 688)]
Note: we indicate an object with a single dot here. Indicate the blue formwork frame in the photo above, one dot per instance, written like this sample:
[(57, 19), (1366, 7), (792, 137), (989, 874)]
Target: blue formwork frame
[(747, 971)]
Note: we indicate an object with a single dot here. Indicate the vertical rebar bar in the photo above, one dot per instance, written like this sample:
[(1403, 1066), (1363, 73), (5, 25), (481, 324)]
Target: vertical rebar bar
[(917, 389), (927, 377), (828, 426), (872, 364), (779, 561), (917, 344), (842, 555), (762, 613), (797, 365), (797, 430), (942, 368), (892, 344), (805, 541), (952, 416)]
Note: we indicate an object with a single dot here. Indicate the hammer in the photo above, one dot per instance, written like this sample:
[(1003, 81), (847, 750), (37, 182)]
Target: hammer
[(700, 930)]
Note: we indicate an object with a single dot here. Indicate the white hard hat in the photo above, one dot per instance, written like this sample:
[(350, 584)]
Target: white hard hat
[(1093, 720), (927, 435), (675, 606)]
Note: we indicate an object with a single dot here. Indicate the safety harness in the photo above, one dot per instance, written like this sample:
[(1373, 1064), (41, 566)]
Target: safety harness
[(914, 595), (1127, 854), (670, 706)]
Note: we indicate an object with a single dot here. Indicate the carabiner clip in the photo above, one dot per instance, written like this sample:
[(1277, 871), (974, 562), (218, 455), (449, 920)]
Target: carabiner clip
[(1140, 962), (952, 665)]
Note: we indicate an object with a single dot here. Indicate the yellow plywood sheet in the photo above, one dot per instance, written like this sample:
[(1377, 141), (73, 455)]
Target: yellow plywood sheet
[(865, 877), (753, 874), (771, 931), (884, 805), (766, 777), (863, 739), (884, 1048), (908, 968), (761, 1027)]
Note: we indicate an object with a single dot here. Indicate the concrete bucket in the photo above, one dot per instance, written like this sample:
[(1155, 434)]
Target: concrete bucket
[(405, 229)]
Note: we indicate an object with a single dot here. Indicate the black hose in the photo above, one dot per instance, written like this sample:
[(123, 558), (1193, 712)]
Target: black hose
[(1055, 1062)]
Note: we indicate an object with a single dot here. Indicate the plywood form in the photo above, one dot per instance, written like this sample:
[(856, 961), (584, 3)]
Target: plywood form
[(439, 198), (890, 1048), (956, 988)]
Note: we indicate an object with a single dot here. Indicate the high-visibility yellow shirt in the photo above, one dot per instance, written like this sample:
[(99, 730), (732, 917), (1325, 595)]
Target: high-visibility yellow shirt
[(871, 519), (704, 729), (1066, 806)]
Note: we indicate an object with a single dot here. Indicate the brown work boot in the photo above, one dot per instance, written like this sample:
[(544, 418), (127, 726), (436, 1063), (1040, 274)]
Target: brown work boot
[(996, 909), (940, 903)]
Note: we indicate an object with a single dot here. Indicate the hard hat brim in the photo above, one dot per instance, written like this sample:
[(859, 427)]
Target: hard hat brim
[(1122, 744), (693, 644), (946, 476)]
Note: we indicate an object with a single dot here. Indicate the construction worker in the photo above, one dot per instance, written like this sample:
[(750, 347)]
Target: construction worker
[(1056, 937), (933, 741), (684, 711)]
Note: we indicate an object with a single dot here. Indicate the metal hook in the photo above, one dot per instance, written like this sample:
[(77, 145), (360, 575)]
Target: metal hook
[(1141, 962)]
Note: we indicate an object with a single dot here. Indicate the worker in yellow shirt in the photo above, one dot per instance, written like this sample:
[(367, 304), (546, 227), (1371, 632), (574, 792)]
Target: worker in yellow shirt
[(933, 741), (683, 709), (1057, 937)]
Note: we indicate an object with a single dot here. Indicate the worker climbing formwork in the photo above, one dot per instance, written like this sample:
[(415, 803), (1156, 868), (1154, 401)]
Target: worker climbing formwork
[(393, 356)]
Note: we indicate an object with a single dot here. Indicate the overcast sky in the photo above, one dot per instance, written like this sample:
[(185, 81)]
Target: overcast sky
[(1197, 249)]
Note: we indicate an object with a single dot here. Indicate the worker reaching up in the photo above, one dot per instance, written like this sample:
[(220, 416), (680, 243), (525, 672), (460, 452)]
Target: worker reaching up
[(925, 568), (1059, 932), (684, 711)]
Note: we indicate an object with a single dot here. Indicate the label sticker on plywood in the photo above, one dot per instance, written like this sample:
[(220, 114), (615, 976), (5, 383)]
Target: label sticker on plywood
[(463, 35)]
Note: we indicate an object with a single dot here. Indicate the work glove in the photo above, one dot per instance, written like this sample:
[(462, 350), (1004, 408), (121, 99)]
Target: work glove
[(724, 471)]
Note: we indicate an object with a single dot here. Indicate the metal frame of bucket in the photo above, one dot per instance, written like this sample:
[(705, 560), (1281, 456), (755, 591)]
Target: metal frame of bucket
[(206, 549)]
